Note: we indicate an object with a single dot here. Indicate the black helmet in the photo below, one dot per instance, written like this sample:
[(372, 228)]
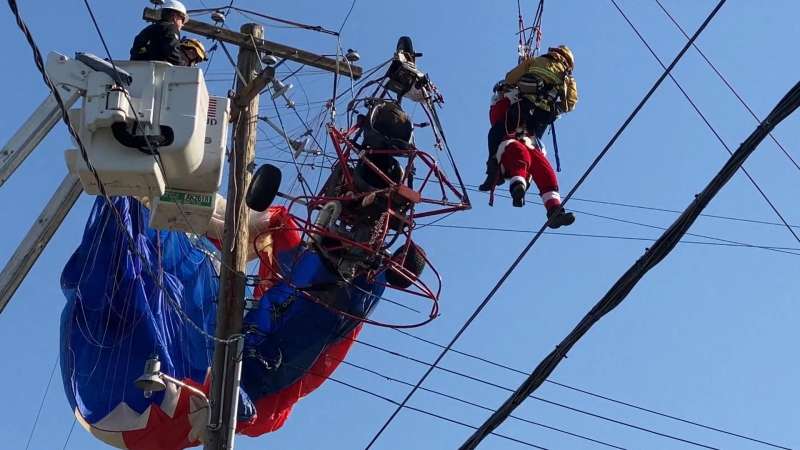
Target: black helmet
[(388, 126)]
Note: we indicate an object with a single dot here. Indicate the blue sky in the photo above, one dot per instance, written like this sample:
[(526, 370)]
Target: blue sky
[(708, 335)]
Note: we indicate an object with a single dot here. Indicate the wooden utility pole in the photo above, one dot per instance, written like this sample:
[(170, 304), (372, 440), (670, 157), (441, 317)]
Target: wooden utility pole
[(227, 365)]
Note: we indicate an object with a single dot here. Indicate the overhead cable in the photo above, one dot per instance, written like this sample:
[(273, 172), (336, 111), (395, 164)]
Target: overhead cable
[(596, 395), (706, 121)]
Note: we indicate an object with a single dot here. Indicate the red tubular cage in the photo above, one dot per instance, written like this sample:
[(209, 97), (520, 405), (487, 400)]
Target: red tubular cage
[(423, 191)]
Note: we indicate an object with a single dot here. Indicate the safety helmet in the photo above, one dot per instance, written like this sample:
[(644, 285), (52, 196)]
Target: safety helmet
[(196, 45), (389, 119), (175, 5), (564, 52)]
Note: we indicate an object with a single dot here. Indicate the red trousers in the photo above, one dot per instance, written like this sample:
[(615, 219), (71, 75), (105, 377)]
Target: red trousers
[(521, 160), (498, 110)]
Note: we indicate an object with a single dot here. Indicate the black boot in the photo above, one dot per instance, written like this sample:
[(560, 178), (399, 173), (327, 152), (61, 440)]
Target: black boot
[(559, 218), (518, 194), (493, 177)]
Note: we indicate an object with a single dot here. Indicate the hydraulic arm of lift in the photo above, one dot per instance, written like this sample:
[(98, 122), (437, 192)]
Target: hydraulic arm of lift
[(70, 78)]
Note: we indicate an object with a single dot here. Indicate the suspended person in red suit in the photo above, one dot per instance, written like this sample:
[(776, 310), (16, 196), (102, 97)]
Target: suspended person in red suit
[(529, 99), (523, 160)]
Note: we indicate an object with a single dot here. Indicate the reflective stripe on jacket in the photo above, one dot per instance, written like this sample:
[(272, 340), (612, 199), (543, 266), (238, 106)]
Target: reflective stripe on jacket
[(553, 72)]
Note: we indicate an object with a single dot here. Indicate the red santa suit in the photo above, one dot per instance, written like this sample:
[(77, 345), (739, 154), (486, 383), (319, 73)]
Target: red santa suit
[(522, 160)]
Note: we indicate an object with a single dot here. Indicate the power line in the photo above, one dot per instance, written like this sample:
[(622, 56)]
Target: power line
[(728, 84), (41, 404), (594, 394), (657, 227), (423, 411), (69, 435), (675, 211), (705, 120), (535, 238), (704, 236), (347, 17), (474, 188), (541, 399), (318, 28), (721, 241), (478, 405), (787, 250)]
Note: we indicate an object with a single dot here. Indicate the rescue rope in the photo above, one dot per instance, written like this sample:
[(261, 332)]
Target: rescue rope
[(529, 43)]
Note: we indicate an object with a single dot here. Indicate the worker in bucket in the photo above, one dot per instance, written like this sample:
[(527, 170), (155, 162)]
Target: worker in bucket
[(160, 41)]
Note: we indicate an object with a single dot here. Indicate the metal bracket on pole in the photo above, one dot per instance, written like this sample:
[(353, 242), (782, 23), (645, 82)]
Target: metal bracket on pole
[(37, 238), (298, 146), (249, 92)]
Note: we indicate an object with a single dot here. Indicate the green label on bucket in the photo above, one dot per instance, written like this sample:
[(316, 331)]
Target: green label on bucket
[(189, 198)]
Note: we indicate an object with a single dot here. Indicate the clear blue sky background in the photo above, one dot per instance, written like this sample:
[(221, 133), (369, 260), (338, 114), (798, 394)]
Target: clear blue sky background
[(709, 335)]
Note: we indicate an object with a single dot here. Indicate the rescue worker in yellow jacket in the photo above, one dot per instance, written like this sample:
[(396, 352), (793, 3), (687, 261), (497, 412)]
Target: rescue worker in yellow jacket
[(530, 98), (194, 51)]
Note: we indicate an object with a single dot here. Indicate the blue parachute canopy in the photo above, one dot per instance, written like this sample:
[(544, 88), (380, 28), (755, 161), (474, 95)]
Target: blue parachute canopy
[(132, 292)]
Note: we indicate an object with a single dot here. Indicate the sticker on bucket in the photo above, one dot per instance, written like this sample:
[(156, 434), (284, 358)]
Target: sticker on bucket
[(188, 198)]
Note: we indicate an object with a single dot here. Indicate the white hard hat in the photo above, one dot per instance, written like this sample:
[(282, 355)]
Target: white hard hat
[(175, 5)]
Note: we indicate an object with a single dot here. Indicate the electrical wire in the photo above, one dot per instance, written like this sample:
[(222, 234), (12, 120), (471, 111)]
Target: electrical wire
[(432, 414), (41, 404), (540, 399), (478, 405), (596, 395), (787, 250), (728, 84), (536, 237), (347, 17), (705, 120), (657, 227), (69, 435), (721, 242), (294, 24)]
